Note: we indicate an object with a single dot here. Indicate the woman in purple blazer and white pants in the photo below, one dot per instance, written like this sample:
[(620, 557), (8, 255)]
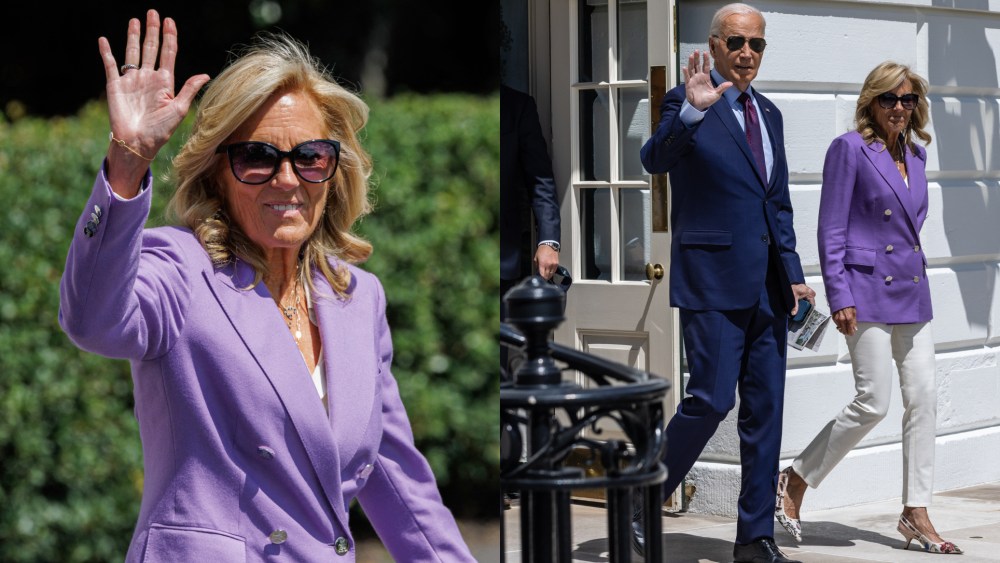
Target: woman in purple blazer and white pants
[(260, 352), (873, 205)]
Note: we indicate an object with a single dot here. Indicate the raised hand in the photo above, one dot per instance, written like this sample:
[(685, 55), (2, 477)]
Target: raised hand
[(698, 83), (142, 108)]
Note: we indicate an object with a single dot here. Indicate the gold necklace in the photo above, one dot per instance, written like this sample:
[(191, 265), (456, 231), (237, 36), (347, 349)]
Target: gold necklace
[(291, 312)]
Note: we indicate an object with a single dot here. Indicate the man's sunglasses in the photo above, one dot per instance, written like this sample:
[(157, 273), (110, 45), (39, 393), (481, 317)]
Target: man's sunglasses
[(888, 100), (256, 162), (735, 43)]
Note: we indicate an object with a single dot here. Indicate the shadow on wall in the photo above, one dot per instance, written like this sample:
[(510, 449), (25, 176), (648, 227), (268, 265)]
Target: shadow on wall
[(966, 141)]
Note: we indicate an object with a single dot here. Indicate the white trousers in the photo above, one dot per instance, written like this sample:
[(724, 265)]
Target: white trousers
[(873, 348)]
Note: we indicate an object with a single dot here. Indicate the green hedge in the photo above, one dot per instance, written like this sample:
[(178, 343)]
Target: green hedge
[(70, 459)]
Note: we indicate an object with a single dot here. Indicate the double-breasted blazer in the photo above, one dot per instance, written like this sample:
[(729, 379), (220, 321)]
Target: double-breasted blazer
[(727, 222), (241, 460), (869, 232)]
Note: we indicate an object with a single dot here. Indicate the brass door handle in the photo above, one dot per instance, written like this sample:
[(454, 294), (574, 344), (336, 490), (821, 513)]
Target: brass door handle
[(654, 271)]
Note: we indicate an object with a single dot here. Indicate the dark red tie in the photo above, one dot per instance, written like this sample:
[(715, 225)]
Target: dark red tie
[(753, 133)]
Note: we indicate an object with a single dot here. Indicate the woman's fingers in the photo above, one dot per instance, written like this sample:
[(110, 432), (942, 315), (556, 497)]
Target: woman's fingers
[(151, 45), (132, 55), (168, 53), (108, 59)]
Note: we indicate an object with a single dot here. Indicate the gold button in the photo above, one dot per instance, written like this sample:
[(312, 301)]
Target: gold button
[(916, 279), (278, 536), (888, 278), (916, 248), (888, 248), (341, 546), (888, 211)]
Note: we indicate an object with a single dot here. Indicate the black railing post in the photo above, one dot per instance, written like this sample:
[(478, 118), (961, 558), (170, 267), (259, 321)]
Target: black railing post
[(560, 417)]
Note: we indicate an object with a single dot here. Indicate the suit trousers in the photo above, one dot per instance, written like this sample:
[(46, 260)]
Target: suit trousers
[(729, 350), (873, 348)]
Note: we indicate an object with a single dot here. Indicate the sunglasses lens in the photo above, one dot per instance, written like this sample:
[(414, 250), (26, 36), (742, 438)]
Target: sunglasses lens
[(888, 100), (253, 163), (316, 161), (735, 42)]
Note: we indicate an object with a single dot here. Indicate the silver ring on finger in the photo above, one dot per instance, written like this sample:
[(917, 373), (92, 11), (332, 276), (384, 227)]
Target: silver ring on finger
[(127, 67)]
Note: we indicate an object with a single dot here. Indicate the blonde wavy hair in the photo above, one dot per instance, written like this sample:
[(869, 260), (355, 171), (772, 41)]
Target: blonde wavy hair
[(888, 76), (273, 63)]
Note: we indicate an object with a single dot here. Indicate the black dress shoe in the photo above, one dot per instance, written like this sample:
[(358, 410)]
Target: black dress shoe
[(638, 524), (761, 550)]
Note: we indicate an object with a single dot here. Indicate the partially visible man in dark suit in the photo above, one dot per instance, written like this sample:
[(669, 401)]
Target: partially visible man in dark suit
[(734, 272), (526, 186)]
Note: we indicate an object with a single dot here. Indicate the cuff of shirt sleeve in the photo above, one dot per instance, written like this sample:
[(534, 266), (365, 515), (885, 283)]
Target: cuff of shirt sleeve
[(690, 115), (147, 182)]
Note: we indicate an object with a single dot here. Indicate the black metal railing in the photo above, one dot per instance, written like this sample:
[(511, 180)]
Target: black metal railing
[(543, 419)]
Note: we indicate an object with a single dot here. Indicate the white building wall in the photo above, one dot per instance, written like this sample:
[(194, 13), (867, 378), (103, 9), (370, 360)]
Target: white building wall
[(817, 58)]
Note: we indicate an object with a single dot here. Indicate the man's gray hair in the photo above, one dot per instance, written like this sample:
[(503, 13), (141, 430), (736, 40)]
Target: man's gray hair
[(729, 9)]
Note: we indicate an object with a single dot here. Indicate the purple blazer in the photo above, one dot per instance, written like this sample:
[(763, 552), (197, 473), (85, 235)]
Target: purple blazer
[(869, 232), (241, 461)]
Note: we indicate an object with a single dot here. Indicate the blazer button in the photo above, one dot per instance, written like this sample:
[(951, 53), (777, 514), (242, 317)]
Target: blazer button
[(341, 546), (765, 239), (888, 248), (888, 278), (95, 218), (366, 471), (888, 212), (916, 248), (98, 210), (916, 279), (265, 452), (278, 536)]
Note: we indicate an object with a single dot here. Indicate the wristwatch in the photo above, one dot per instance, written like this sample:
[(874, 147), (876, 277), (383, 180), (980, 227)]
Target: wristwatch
[(551, 244)]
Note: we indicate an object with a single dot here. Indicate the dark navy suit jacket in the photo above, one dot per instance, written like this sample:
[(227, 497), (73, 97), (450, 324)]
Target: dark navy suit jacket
[(726, 220), (525, 178)]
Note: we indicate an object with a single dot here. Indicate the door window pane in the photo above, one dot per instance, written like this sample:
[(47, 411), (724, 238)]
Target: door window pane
[(595, 219), (632, 44), (634, 220), (594, 41), (633, 114), (594, 156)]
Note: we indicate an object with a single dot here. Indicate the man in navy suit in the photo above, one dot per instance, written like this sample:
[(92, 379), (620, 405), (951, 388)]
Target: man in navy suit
[(734, 272), (526, 182)]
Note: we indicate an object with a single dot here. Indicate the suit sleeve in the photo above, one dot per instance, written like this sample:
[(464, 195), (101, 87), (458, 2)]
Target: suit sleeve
[(123, 291), (672, 138), (401, 498), (839, 177), (537, 168)]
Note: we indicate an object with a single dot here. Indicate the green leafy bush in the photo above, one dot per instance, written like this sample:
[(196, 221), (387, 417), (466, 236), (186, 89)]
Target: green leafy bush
[(70, 459)]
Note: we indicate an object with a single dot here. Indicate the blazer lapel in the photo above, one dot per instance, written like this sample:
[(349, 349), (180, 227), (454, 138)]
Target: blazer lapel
[(724, 112), (252, 313), (916, 169), (777, 146), (886, 167), (351, 363)]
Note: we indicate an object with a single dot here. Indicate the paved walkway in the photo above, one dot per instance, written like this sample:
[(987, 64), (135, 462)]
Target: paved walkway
[(968, 517)]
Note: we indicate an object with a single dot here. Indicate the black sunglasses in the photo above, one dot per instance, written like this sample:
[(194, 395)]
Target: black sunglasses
[(888, 100), (256, 162), (735, 43)]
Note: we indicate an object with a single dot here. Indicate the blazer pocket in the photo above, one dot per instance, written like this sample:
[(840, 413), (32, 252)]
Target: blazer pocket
[(860, 259), (182, 543), (707, 238)]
